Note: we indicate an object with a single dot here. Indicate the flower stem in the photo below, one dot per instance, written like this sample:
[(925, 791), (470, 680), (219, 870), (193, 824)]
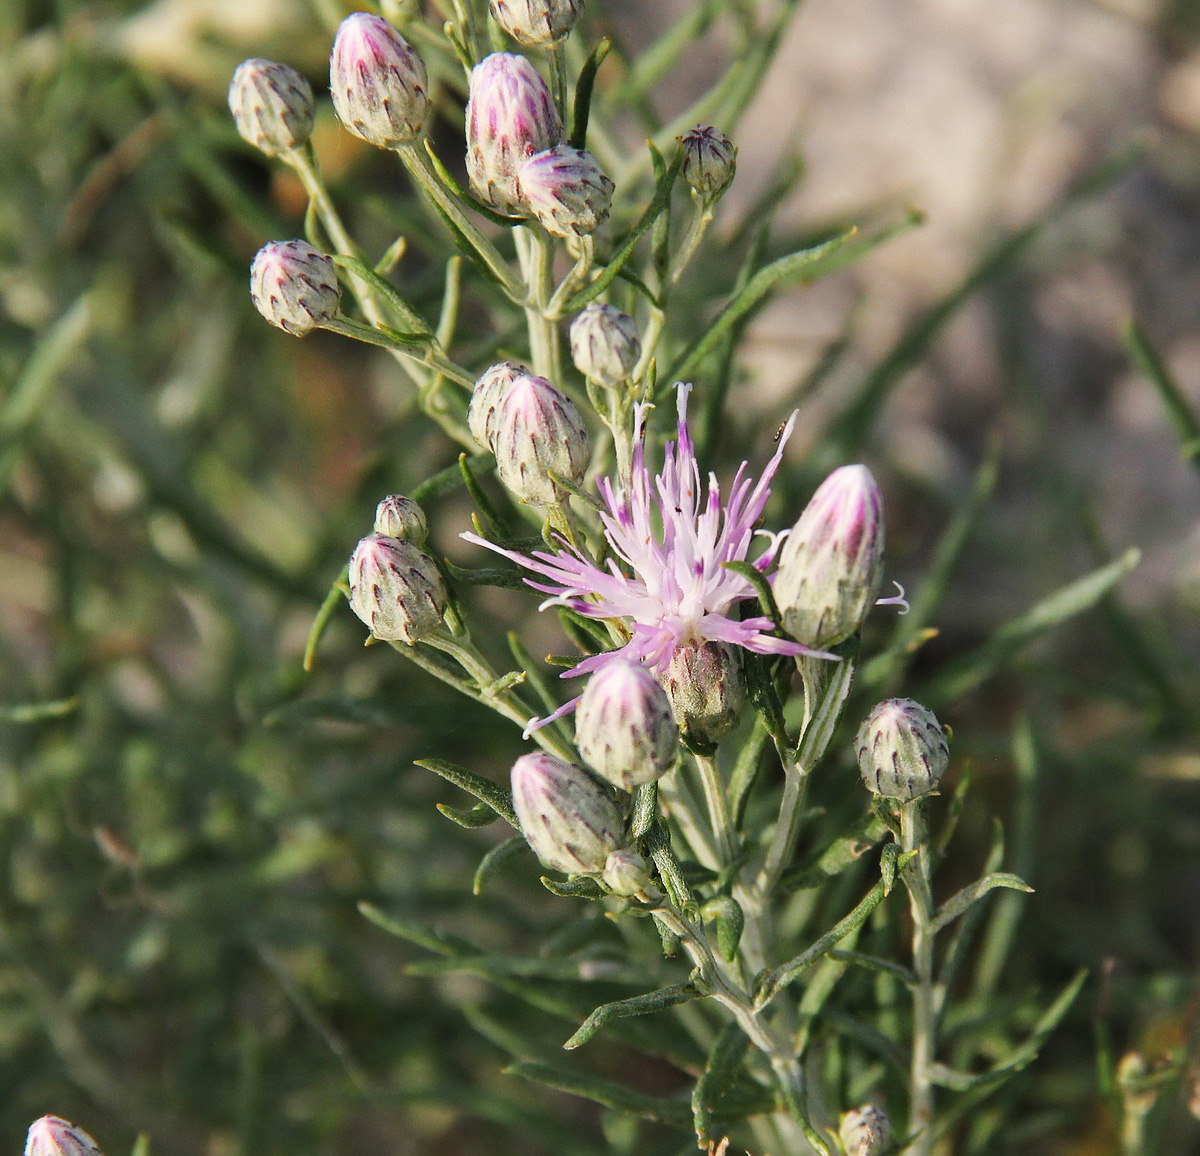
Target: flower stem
[(422, 173), (718, 807), (536, 253), (924, 1030)]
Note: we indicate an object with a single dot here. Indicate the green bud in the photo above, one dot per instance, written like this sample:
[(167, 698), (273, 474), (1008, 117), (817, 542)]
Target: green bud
[(707, 688), (395, 589), (902, 749), (400, 517), (626, 873), (605, 345)]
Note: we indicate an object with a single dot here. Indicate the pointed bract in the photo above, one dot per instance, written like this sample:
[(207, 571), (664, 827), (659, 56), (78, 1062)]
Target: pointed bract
[(707, 690), (902, 749), (566, 190), (605, 344), (400, 517), (536, 23), (396, 590), (624, 727)]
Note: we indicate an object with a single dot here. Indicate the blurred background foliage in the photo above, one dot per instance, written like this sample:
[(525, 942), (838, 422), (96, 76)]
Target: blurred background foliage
[(188, 820)]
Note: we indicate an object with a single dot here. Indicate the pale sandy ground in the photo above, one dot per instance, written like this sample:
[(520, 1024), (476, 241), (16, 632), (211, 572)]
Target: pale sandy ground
[(981, 115)]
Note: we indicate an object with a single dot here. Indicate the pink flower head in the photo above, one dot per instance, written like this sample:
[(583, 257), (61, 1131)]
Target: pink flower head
[(667, 581)]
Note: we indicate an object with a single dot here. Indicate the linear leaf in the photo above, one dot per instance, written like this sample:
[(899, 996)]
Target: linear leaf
[(606, 1092), (958, 903), (479, 815), (1065, 603), (483, 789), (724, 1060), (638, 1005), (1183, 417)]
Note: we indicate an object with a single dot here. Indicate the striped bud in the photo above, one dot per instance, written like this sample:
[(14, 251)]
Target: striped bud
[(491, 386), (902, 749), (865, 1131), (536, 23), (54, 1136), (566, 190), (510, 116), (538, 433), (395, 589), (707, 688), (626, 873), (831, 565), (379, 85), (624, 727), (294, 286), (272, 106), (605, 345), (709, 160), (566, 816), (400, 517)]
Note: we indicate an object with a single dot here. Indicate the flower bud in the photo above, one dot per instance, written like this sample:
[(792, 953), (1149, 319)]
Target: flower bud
[(400, 517), (709, 160), (624, 727), (865, 1131), (54, 1136), (707, 688), (510, 116), (378, 82), (536, 23), (538, 432), (294, 286), (485, 399), (567, 816), (605, 345), (566, 190), (902, 749), (626, 873), (831, 565), (272, 106), (395, 589)]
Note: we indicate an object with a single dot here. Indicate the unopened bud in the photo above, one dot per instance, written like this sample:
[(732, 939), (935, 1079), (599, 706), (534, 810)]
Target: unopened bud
[(566, 190), (709, 160), (605, 345), (294, 286), (566, 816), (379, 85), (707, 688), (626, 873), (395, 589), (536, 23), (490, 387), (538, 433), (510, 116), (624, 727), (902, 749), (272, 106), (54, 1136), (400, 517), (832, 562), (865, 1131)]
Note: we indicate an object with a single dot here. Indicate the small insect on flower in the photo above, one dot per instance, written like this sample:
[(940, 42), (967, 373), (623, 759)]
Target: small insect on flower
[(779, 432)]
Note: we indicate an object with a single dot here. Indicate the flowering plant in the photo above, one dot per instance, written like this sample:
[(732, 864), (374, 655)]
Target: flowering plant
[(740, 817)]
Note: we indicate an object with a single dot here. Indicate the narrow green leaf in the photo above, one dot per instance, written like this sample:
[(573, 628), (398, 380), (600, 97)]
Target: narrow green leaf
[(745, 770), (496, 966), (724, 1061), (645, 809), (503, 578), (657, 206), (663, 1109), (479, 815), (731, 921), (53, 352), (430, 938), (495, 859), (451, 478), (821, 726), (333, 600), (483, 789), (578, 888), (1183, 417), (34, 712), (844, 852), (447, 179), (803, 266), (778, 978), (885, 670), (638, 1005), (584, 85), (658, 841), (958, 903), (418, 326), (874, 963), (494, 523), (1072, 599)]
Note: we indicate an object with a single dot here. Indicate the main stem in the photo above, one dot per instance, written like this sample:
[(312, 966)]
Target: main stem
[(924, 1032), (537, 257)]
